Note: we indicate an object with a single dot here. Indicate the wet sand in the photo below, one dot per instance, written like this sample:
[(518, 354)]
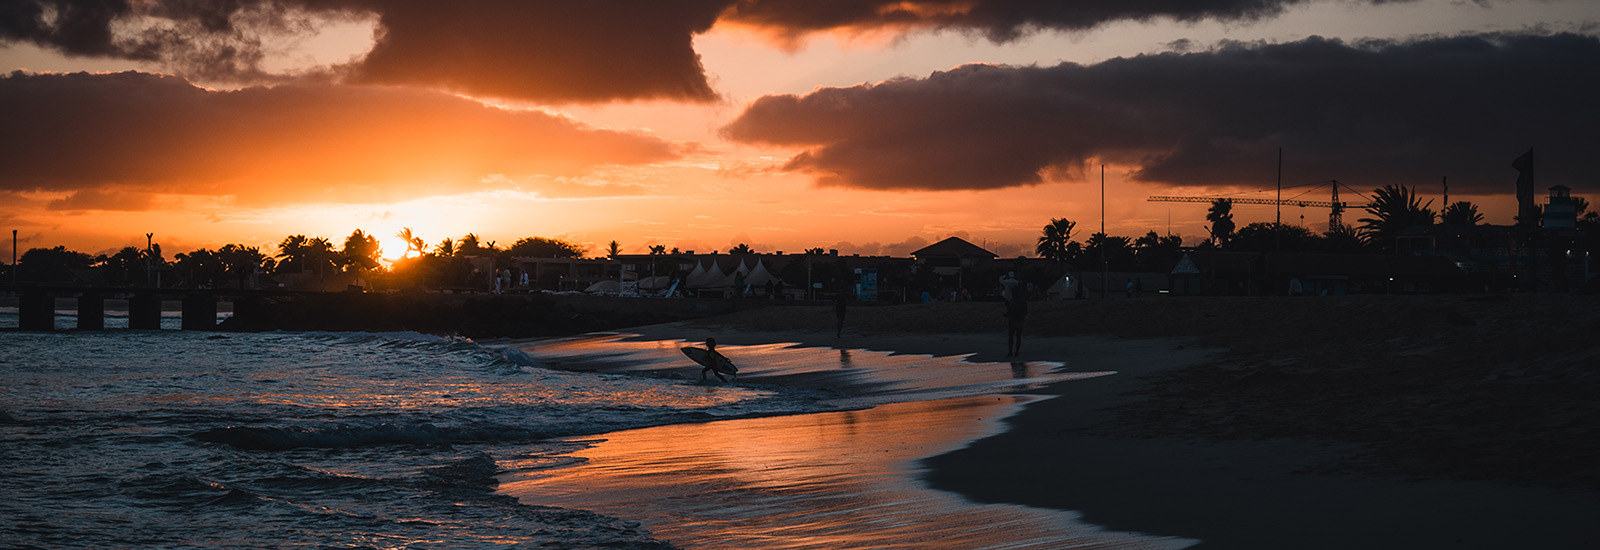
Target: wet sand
[(1186, 441), (848, 479), (825, 481)]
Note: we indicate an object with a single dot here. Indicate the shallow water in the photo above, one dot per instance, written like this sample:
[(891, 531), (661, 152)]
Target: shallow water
[(162, 439), (155, 439), (816, 481)]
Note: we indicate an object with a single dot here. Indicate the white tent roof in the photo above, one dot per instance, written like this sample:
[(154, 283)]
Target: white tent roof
[(655, 283), (605, 286), (704, 277), (760, 276)]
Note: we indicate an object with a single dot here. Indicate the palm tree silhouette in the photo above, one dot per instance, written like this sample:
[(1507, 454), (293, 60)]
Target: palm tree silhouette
[(413, 242), (1394, 208), (1461, 213), (1054, 243), (1221, 217)]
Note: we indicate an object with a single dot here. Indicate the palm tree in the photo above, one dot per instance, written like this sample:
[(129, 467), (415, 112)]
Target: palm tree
[(613, 250), (1221, 217), (1461, 213), (292, 252), (361, 251), (319, 253), (241, 261), (1394, 209), (1054, 243), (413, 242), (469, 246), (446, 248)]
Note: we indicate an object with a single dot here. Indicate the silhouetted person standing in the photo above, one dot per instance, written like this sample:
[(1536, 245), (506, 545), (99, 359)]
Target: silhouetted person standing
[(839, 304), (1016, 312)]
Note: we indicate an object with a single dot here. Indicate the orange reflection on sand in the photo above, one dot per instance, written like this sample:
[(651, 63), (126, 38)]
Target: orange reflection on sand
[(829, 480)]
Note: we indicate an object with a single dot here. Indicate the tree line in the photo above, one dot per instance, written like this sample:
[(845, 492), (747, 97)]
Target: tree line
[(1392, 210), (447, 264)]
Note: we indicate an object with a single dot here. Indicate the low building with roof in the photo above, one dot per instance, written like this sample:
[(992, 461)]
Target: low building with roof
[(948, 257)]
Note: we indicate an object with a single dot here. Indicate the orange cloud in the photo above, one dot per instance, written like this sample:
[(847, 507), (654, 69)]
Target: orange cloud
[(554, 52), (137, 132)]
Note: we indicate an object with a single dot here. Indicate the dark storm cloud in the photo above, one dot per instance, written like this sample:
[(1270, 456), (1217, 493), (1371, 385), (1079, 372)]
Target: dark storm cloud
[(548, 51), (93, 199), (551, 51), (1000, 20), (140, 133), (208, 39), (1367, 113)]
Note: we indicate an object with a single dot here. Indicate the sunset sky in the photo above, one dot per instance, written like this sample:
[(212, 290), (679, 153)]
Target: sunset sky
[(872, 127)]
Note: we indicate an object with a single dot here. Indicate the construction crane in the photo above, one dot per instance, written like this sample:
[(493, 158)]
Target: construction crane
[(1335, 215)]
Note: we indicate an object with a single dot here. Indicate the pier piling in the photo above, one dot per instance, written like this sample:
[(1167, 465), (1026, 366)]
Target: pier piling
[(200, 312), (144, 311), (36, 311), (91, 311)]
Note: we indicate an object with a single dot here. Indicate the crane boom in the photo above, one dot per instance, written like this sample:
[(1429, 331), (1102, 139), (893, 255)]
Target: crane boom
[(1284, 202)]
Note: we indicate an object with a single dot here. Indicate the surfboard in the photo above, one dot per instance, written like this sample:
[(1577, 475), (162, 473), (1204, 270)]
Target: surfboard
[(703, 357)]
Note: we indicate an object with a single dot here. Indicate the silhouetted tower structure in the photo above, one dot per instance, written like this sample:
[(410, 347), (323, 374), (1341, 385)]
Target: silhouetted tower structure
[(1560, 212)]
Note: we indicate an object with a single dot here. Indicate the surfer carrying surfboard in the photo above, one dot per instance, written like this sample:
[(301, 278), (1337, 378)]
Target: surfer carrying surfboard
[(711, 360)]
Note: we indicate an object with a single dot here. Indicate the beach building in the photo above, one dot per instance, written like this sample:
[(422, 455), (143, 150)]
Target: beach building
[(1216, 273), (566, 273), (948, 257), (1553, 256)]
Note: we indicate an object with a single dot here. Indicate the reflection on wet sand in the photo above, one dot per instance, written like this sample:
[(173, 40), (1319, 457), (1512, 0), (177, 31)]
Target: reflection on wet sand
[(854, 377), (829, 480)]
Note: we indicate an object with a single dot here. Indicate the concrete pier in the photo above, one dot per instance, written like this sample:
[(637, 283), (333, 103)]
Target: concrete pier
[(144, 311), (200, 312), (36, 311), (91, 311)]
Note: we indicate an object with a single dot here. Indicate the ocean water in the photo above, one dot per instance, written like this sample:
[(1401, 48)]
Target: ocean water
[(160, 439), (173, 439)]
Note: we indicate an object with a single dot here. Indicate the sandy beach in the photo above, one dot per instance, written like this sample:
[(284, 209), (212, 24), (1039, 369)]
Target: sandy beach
[(1372, 422)]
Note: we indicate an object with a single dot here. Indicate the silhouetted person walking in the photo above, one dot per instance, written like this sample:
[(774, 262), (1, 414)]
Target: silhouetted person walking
[(1016, 311), (716, 357)]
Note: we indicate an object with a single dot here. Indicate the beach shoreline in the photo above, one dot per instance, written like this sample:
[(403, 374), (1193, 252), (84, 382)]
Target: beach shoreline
[(1164, 447)]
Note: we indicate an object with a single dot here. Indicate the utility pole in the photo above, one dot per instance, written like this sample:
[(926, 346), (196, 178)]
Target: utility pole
[(1105, 265), (13, 257), (1446, 181)]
